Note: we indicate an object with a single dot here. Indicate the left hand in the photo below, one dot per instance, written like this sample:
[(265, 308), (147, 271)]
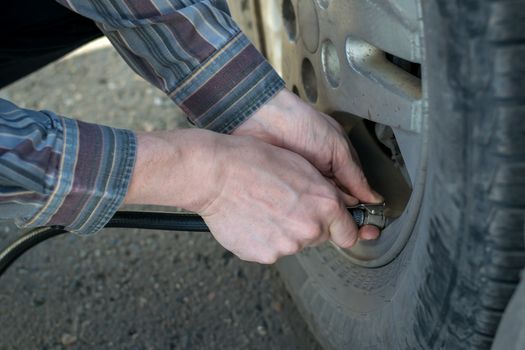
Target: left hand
[(288, 122)]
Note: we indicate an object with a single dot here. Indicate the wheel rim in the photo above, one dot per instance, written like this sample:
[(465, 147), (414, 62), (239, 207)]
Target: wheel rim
[(353, 59)]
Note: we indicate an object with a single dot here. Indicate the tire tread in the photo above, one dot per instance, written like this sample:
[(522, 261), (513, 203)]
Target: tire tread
[(504, 245)]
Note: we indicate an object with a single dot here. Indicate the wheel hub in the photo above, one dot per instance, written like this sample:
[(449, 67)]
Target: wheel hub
[(360, 61)]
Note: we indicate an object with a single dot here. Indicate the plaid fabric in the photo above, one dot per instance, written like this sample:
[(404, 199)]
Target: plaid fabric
[(59, 171)]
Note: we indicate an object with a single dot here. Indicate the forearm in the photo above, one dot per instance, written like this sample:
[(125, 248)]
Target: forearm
[(59, 171), (191, 50), (174, 168)]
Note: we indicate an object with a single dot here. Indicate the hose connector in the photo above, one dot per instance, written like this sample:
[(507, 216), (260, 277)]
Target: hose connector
[(369, 214)]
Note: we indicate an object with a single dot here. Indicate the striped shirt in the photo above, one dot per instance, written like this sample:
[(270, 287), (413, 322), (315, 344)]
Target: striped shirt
[(59, 171)]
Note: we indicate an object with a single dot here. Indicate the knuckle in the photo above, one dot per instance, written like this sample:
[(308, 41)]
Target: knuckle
[(244, 257), (332, 205), (289, 247), (267, 259), (310, 232)]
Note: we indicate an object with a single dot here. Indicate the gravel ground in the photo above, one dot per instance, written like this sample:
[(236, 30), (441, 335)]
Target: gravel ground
[(133, 289)]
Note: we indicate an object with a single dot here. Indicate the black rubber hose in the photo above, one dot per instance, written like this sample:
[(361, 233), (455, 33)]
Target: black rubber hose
[(123, 219), (159, 221), (26, 242)]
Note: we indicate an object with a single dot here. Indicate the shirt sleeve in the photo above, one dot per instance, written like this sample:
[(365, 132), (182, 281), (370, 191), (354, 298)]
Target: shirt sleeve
[(59, 171), (193, 51)]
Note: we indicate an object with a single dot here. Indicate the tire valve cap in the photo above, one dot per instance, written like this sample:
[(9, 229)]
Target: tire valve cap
[(369, 214)]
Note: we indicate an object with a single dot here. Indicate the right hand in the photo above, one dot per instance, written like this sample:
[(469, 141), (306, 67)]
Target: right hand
[(261, 202)]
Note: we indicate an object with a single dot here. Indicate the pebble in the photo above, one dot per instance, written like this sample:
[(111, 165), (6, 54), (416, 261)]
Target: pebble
[(39, 301), (148, 126), (157, 101), (68, 339), (142, 301), (261, 330), (277, 306)]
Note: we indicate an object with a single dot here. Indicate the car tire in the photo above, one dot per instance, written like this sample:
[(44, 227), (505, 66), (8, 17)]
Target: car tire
[(449, 286)]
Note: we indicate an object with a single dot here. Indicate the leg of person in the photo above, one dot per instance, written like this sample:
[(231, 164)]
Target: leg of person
[(38, 32)]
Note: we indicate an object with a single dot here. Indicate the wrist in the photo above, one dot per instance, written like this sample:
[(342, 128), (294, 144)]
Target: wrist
[(173, 168), (147, 143), (269, 123)]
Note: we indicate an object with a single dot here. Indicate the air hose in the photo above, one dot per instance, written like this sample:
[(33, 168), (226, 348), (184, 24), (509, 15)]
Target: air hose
[(124, 219), (362, 214)]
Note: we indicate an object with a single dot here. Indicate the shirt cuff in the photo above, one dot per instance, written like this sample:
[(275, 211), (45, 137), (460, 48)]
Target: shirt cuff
[(228, 87), (95, 172)]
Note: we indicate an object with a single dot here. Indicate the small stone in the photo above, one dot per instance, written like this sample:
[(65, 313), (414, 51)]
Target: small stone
[(39, 301), (277, 306), (68, 339), (157, 101), (211, 296), (240, 274), (261, 330), (133, 333), (142, 301), (148, 126)]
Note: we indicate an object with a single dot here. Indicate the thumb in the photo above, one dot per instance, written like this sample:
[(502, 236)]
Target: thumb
[(343, 230)]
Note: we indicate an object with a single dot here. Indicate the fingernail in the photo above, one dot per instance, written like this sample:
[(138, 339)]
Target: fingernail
[(378, 197), (368, 238), (368, 233)]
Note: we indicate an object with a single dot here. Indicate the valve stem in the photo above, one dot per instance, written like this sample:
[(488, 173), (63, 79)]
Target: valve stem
[(369, 214)]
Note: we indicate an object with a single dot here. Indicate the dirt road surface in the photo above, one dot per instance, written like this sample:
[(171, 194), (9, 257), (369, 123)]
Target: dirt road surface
[(133, 289)]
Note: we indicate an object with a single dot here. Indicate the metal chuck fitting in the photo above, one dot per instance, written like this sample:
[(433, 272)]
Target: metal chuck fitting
[(369, 214)]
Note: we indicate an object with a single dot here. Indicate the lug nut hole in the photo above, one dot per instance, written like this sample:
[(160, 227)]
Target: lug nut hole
[(323, 4), (309, 80), (289, 19), (330, 63), (295, 90)]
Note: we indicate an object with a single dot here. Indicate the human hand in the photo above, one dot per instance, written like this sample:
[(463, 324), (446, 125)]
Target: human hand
[(287, 122), (261, 202)]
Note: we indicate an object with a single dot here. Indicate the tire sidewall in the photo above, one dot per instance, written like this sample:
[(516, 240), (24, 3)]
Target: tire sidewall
[(429, 292)]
